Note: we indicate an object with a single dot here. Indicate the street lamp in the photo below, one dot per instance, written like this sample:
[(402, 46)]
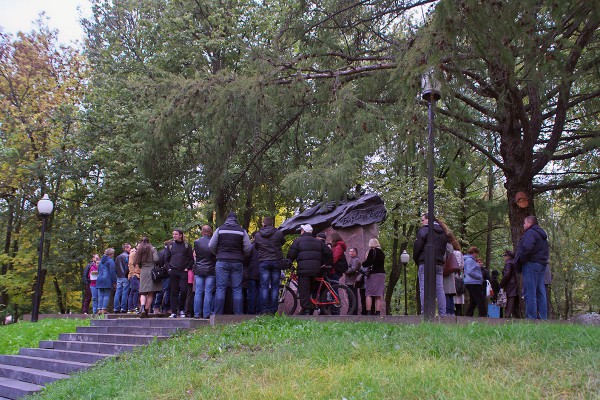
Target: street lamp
[(430, 93), (44, 207), (404, 258)]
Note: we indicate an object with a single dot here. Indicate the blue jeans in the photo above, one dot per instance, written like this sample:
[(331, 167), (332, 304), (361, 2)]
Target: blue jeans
[(535, 291), (121, 294), (203, 298), (133, 301), (229, 273), (270, 276), (94, 299), (439, 288), (252, 296), (103, 298)]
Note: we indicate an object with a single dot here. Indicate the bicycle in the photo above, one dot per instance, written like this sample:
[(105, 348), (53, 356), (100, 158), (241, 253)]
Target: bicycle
[(333, 299), (288, 297)]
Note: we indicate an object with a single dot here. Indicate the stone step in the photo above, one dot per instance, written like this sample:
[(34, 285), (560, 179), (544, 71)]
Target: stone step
[(184, 323), (30, 375), (13, 389), (90, 347), (129, 330), (46, 364), (109, 338), (64, 355)]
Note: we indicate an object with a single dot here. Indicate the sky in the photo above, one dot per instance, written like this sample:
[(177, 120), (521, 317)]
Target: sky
[(18, 15)]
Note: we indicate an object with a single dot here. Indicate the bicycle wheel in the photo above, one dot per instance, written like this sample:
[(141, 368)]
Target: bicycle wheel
[(288, 301), (346, 306)]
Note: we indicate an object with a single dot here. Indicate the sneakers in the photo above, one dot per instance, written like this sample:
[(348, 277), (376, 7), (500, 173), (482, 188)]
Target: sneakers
[(173, 316), (182, 314)]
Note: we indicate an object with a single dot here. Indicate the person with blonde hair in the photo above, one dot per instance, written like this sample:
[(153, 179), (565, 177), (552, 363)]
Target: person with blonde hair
[(375, 276)]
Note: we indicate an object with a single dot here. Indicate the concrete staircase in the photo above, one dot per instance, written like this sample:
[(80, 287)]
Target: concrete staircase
[(31, 369)]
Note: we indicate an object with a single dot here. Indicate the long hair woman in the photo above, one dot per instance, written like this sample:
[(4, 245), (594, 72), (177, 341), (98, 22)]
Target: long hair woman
[(375, 283), (146, 258)]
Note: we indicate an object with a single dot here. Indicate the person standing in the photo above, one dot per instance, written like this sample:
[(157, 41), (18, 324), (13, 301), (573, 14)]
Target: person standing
[(509, 284), (204, 275), (146, 258), (93, 277), (133, 300), (87, 292), (230, 244), (162, 300), (107, 279), (473, 281), (532, 257), (375, 282), (122, 270), (352, 273), (439, 242), (268, 242), (310, 253), (179, 258)]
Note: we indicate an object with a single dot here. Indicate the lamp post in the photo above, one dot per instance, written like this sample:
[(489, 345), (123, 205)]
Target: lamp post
[(404, 258), (44, 207), (431, 94)]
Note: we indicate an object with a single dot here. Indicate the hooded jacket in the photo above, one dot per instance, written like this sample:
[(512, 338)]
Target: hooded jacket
[(230, 242), (268, 242), (473, 273), (533, 247), (439, 241), (107, 277)]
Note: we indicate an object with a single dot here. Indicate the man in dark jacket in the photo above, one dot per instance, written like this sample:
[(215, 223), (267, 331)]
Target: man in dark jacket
[(532, 256), (268, 242), (310, 253), (204, 275), (509, 284), (179, 258), (231, 244), (439, 242), (122, 270)]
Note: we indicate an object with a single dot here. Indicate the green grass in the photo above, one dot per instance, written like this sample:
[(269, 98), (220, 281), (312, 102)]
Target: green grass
[(28, 334), (284, 358)]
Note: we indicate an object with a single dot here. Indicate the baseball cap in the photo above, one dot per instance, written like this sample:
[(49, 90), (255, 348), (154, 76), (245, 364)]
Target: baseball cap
[(306, 228)]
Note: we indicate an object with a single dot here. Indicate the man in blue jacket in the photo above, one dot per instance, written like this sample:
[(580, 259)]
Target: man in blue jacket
[(532, 258)]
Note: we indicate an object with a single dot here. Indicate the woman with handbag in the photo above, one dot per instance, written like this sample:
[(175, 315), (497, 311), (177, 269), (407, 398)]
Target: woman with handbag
[(452, 267), (375, 279), (146, 258)]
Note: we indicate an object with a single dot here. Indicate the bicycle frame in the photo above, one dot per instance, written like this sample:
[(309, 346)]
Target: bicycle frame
[(335, 298)]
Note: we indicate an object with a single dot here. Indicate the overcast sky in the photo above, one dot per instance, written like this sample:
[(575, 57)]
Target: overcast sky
[(17, 15)]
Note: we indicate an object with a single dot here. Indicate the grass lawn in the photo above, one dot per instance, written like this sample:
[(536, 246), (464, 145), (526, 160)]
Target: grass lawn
[(285, 358), (29, 334)]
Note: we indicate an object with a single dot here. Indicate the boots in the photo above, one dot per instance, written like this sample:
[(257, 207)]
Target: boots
[(144, 313)]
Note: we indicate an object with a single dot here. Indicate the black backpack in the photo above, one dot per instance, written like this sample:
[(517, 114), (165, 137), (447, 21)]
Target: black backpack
[(341, 265)]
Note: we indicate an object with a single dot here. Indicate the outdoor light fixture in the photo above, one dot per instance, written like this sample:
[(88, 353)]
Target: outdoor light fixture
[(431, 93), (404, 259), (45, 207)]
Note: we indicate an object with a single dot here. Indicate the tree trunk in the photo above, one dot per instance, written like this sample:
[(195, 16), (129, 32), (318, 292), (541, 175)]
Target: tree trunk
[(4, 267), (490, 221), (59, 297), (394, 273)]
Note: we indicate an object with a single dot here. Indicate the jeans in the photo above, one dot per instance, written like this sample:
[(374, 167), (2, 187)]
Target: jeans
[(477, 299), (535, 291), (252, 295), (439, 288), (449, 304), (270, 276), (229, 273), (103, 298), (203, 298), (162, 300), (133, 300), (121, 294), (94, 299)]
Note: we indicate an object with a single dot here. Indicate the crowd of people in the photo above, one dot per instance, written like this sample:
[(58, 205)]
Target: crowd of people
[(226, 269), (455, 270)]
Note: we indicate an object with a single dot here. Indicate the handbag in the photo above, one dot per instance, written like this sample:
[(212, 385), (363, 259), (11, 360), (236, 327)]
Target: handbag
[(459, 284), (451, 264), (366, 271), (501, 302), (159, 273), (489, 292)]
